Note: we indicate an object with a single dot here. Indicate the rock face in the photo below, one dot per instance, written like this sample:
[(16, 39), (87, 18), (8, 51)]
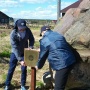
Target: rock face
[(78, 33), (75, 26)]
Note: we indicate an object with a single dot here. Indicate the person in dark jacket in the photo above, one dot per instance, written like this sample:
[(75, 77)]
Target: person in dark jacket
[(57, 51), (19, 38)]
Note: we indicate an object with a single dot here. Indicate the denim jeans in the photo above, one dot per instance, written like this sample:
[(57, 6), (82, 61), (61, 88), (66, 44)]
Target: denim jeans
[(12, 66)]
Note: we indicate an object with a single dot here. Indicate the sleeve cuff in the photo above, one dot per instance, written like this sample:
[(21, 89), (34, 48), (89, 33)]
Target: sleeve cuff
[(31, 47)]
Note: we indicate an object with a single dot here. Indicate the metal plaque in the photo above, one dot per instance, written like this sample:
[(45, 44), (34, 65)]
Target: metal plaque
[(31, 57)]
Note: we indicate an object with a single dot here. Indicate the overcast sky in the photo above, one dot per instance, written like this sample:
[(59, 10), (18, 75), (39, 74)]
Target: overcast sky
[(32, 9)]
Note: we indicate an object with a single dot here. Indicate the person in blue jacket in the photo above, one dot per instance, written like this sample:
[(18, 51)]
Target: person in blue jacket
[(57, 51), (19, 38)]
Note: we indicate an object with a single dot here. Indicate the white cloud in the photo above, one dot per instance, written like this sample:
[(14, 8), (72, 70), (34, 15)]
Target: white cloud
[(4, 10), (39, 8), (50, 12), (8, 3), (52, 7), (39, 13), (37, 1), (42, 14), (33, 1)]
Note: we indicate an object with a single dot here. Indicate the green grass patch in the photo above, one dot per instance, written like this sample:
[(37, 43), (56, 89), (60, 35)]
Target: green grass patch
[(39, 84), (29, 70), (4, 77), (3, 35), (5, 54), (37, 44)]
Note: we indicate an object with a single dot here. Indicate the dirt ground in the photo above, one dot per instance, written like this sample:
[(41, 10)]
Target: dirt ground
[(16, 76)]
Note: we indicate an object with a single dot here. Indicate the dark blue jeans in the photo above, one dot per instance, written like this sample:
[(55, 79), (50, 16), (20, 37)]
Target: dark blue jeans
[(12, 66), (61, 77)]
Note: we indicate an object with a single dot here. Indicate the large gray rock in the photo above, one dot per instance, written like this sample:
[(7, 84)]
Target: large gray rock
[(75, 26), (80, 74), (79, 32)]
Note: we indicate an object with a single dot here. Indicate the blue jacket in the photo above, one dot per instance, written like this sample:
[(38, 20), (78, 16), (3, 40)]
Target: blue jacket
[(54, 47), (18, 44)]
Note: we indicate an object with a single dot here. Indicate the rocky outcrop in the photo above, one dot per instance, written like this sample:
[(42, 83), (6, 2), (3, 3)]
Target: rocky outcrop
[(80, 74), (67, 21), (75, 26), (78, 34), (85, 4)]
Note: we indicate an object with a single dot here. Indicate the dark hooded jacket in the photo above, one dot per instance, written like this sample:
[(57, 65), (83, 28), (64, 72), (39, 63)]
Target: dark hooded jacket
[(18, 44)]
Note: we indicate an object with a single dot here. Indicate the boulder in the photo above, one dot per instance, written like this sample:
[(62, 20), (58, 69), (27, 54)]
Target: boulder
[(75, 26), (78, 34)]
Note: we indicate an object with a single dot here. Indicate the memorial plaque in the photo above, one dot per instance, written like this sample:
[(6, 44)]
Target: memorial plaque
[(31, 57)]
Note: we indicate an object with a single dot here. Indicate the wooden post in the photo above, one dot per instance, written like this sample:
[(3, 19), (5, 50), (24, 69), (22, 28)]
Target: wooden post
[(33, 78), (30, 58)]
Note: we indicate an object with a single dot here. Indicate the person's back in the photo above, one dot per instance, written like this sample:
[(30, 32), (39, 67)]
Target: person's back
[(60, 54)]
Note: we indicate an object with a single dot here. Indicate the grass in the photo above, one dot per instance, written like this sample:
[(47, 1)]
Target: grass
[(5, 54), (37, 44), (3, 34), (4, 77), (39, 84)]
